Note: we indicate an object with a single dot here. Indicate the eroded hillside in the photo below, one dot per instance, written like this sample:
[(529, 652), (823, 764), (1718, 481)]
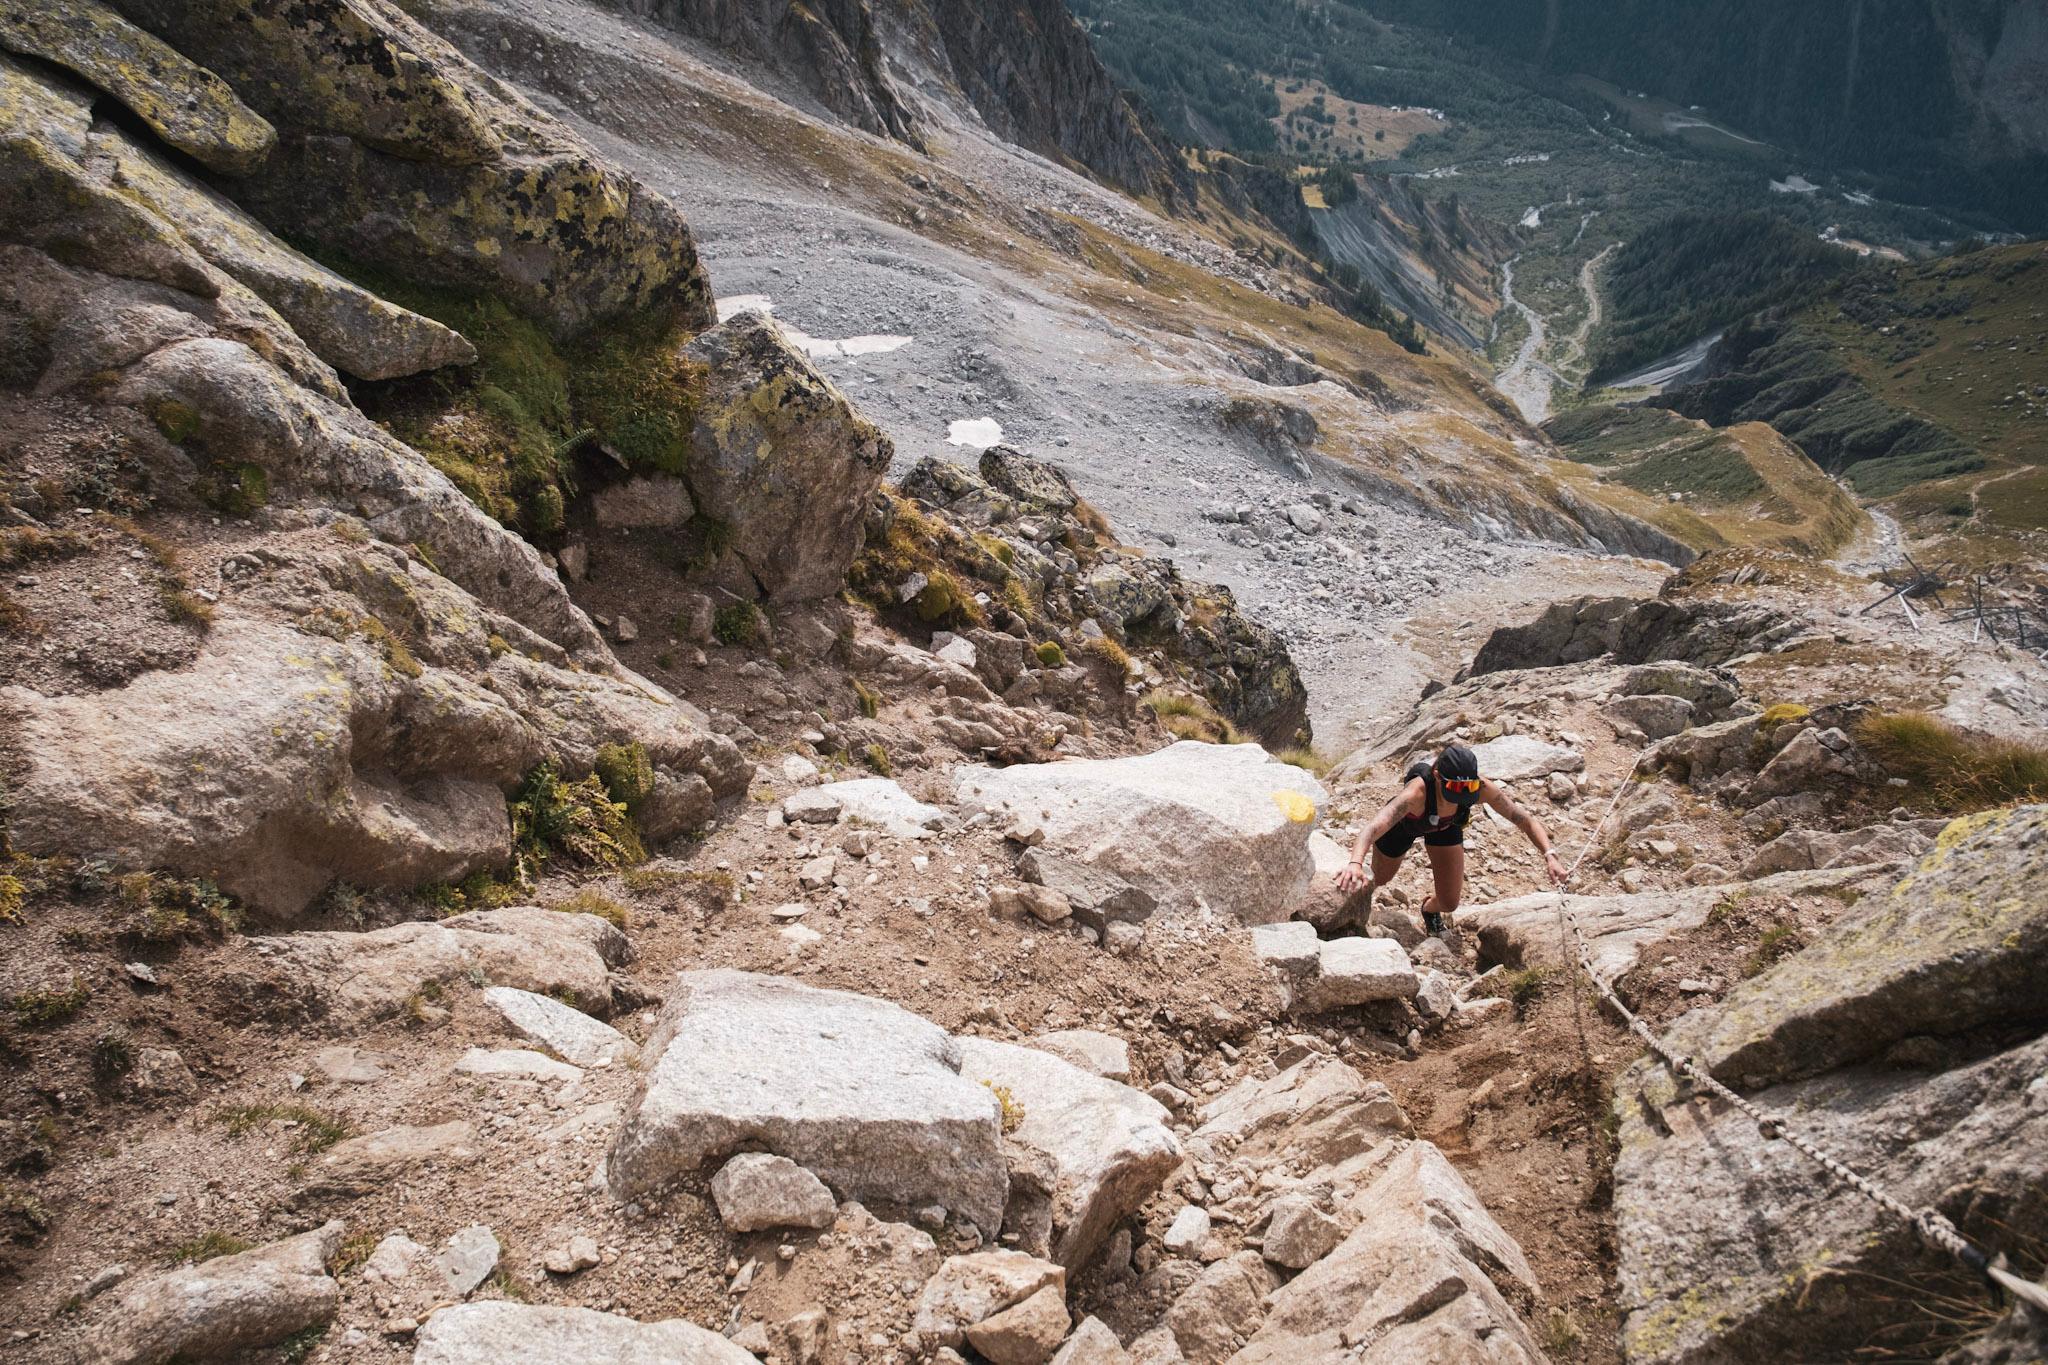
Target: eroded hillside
[(660, 698)]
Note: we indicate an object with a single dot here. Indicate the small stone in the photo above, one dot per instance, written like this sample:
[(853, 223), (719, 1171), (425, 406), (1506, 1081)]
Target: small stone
[(1190, 1229), (794, 910), (1025, 1334), (817, 873), (469, 1258), (578, 1254), (106, 1279), (624, 630), (141, 973), (757, 1190)]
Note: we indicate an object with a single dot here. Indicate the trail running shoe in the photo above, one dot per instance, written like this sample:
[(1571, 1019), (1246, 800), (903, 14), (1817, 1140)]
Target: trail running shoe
[(1432, 922)]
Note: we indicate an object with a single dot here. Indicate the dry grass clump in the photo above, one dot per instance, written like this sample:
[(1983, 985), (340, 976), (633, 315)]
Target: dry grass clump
[(1189, 717), (1955, 769), (1306, 759), (593, 902)]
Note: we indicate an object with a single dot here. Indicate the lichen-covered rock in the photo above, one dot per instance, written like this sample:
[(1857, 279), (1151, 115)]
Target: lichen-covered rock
[(1634, 631), (781, 460), (346, 325), (227, 1307), (1734, 1247), (186, 105), (1960, 942), (1522, 931), (373, 110)]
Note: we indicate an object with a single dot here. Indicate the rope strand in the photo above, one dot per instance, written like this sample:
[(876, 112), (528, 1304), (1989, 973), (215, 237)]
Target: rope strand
[(1934, 1228)]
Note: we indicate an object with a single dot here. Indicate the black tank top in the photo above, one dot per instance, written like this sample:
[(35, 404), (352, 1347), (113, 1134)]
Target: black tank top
[(1429, 822)]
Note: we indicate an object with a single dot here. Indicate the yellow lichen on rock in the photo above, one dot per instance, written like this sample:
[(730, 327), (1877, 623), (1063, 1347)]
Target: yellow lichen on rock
[(188, 106)]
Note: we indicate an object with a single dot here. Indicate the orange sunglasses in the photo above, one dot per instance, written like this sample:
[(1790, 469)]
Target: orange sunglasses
[(1461, 784)]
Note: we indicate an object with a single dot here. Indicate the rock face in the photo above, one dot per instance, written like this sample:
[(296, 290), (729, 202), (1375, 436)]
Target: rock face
[(284, 745), (500, 1333), (1523, 930), (1959, 943), (1634, 632), (1240, 666), (1864, 1040), (779, 459), (227, 1306), (866, 1095), (372, 109), (1201, 827), (1110, 1147)]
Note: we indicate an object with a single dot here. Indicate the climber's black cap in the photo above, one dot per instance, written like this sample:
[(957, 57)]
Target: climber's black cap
[(1458, 766)]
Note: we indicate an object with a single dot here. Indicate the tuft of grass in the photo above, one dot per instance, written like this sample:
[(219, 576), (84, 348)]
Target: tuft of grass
[(738, 623), (315, 1131), (112, 1055), (353, 1252), (162, 907), (877, 759), (299, 1345), (627, 773), (210, 1247), (867, 699), (1186, 716), (1526, 987), (1778, 941), (480, 890), (1012, 1108), (40, 1008), (186, 607), (1782, 712), (1111, 653), (592, 902), (1308, 760), (943, 600), (1051, 655), (1955, 769), (1561, 1333), (13, 897)]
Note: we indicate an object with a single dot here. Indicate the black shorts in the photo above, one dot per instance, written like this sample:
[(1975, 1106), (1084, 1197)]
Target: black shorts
[(1396, 842)]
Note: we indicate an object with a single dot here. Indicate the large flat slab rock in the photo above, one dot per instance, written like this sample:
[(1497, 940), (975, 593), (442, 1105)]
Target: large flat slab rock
[(569, 1033), (1110, 1145), (1524, 931), (1959, 942), (1518, 758), (1200, 827), (227, 1307), (527, 1334), (348, 980), (868, 1096)]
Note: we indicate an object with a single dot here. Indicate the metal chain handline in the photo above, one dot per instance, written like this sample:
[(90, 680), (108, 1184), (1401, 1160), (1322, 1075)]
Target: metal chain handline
[(1933, 1227)]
